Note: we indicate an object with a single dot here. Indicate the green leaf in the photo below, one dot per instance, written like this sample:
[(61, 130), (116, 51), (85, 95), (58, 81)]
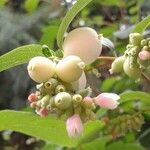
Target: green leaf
[(3, 2), (50, 147), (135, 95), (31, 5), (48, 129), (49, 35), (19, 56), (141, 26), (120, 145), (98, 144), (112, 3), (76, 8), (108, 83)]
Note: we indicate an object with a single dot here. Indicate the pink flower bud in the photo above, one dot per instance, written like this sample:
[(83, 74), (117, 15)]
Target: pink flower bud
[(43, 112), (87, 101), (32, 97), (74, 126), (107, 100), (144, 55)]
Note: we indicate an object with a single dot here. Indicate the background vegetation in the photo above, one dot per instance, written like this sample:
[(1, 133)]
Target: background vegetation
[(37, 22)]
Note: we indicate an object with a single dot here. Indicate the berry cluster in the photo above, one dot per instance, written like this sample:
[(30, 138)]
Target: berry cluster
[(62, 82), (124, 124), (136, 57)]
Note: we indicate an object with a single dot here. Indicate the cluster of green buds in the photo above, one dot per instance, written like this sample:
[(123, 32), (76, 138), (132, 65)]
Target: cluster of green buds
[(58, 97), (136, 58), (123, 124)]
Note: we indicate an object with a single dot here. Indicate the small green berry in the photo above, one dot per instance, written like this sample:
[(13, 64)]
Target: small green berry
[(117, 65), (135, 38), (134, 72), (60, 88), (63, 100), (51, 84), (143, 42), (77, 98), (146, 48)]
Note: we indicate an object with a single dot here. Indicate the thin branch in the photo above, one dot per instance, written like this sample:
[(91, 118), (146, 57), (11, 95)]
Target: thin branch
[(145, 77), (105, 61), (106, 58)]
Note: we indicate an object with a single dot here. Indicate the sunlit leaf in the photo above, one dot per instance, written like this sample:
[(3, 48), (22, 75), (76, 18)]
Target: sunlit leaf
[(98, 144), (135, 95), (3, 2), (19, 56), (49, 35), (31, 5), (48, 129), (141, 26), (120, 145)]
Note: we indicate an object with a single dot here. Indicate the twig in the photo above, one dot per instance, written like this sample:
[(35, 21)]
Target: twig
[(145, 77), (106, 58), (107, 61)]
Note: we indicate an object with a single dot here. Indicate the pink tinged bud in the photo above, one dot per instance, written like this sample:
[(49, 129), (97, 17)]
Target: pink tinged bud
[(43, 112), (74, 126), (32, 97), (87, 101), (144, 55), (107, 100)]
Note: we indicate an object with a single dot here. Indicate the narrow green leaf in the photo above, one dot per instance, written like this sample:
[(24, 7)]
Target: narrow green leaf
[(3, 2), (49, 35), (108, 83), (135, 95), (141, 26), (76, 8), (120, 145), (31, 5), (19, 56), (48, 129)]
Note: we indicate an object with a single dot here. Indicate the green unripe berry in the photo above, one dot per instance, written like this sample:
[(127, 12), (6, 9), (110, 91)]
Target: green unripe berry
[(133, 72), (77, 98), (129, 46), (63, 100), (60, 88), (135, 38), (85, 92), (51, 84), (117, 65), (146, 48), (83, 42), (133, 51), (70, 68), (143, 42)]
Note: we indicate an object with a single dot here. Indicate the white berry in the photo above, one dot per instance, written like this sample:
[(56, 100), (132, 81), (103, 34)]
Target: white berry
[(40, 69), (83, 42), (70, 68)]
